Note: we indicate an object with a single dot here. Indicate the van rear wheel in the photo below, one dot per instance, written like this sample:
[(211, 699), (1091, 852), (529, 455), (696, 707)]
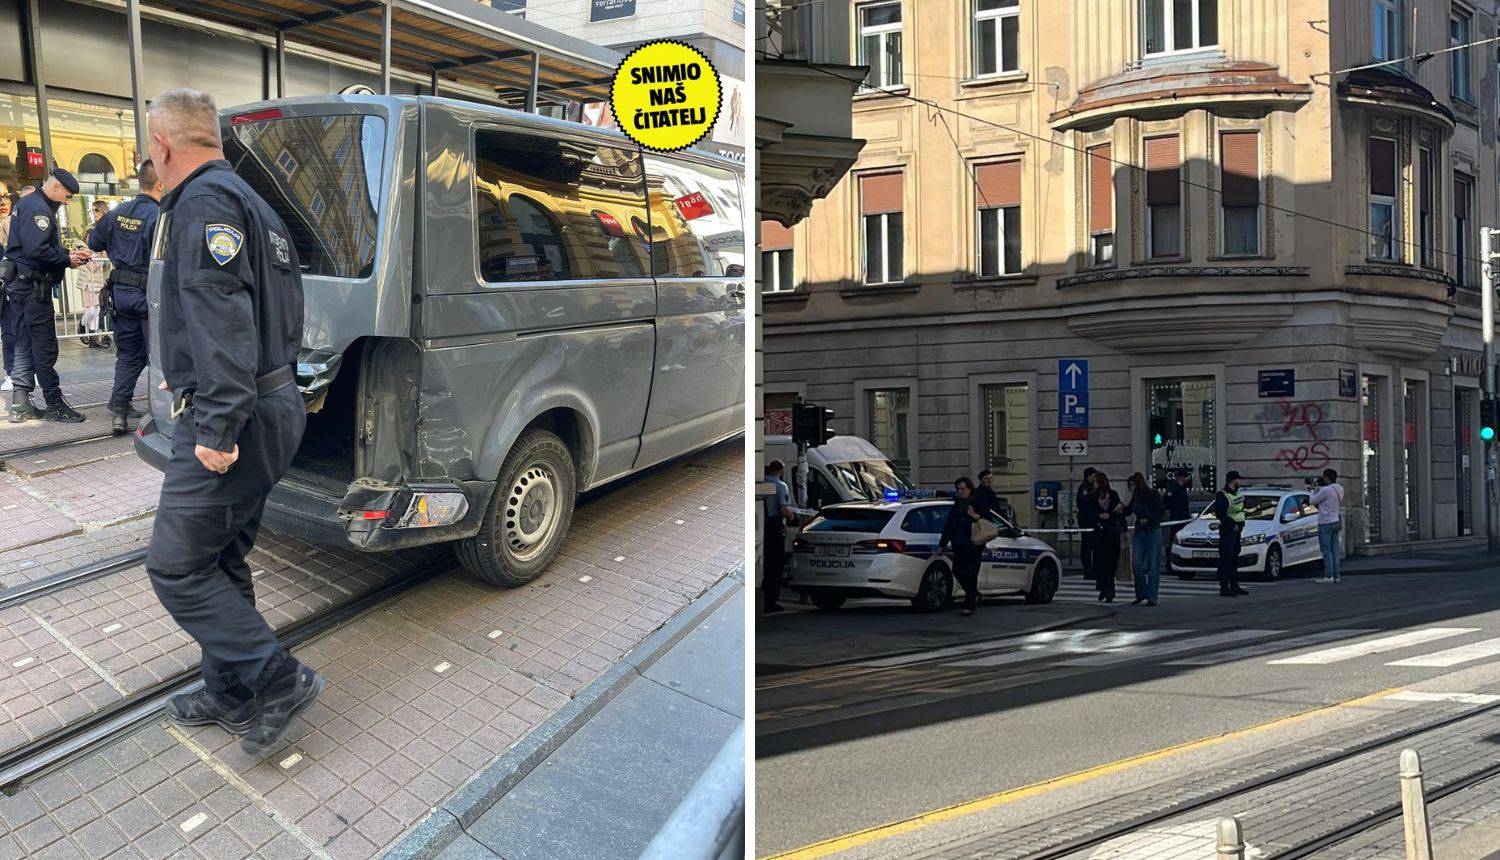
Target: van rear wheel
[(528, 514)]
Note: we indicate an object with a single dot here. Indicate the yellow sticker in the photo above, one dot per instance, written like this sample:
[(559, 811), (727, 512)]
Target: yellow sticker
[(666, 95)]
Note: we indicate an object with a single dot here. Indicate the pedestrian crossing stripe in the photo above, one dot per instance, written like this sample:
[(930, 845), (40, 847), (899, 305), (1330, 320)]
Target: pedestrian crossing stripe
[(1373, 646), (1193, 643), (1271, 647), (1454, 656)]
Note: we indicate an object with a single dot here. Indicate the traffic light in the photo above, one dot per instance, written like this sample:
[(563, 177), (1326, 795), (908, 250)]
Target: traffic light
[(1488, 413), (810, 424)]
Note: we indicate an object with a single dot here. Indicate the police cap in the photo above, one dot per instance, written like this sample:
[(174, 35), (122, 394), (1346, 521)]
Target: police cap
[(66, 179)]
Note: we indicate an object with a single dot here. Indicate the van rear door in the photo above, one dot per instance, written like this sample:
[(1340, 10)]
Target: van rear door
[(337, 170)]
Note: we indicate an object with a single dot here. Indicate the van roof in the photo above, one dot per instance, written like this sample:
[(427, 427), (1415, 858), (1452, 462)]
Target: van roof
[(393, 102)]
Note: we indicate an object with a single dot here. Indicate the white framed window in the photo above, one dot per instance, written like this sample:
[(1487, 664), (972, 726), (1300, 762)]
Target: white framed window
[(1173, 26), (1382, 186), (776, 271), (1463, 221), (1000, 241), (1163, 197), (1239, 189), (883, 234), (879, 44), (317, 207), (1460, 85), (997, 28), (1101, 201), (883, 237), (1386, 15)]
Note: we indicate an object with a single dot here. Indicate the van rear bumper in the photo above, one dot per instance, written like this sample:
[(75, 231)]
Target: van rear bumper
[(300, 510)]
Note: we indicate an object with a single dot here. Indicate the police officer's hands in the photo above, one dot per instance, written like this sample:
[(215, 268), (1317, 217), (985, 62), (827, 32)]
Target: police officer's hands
[(216, 461), (78, 258)]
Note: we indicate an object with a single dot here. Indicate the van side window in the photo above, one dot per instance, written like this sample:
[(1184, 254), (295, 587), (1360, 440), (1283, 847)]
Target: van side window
[(556, 210), (696, 226), (322, 175), (926, 520)]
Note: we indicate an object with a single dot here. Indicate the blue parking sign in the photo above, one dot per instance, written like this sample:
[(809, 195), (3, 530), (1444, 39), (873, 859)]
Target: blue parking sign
[(1072, 398)]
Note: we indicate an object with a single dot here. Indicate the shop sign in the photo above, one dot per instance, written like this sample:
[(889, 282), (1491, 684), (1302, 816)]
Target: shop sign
[(693, 205), (610, 223), (1467, 363), (609, 10), (36, 163)]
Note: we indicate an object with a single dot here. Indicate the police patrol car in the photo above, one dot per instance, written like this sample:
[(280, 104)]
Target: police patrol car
[(1281, 531), (884, 549)]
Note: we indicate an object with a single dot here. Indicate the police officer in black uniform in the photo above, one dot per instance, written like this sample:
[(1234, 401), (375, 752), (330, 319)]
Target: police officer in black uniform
[(35, 263), (229, 324), (125, 234)]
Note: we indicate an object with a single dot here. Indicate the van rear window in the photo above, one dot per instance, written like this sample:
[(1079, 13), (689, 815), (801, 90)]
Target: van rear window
[(322, 176)]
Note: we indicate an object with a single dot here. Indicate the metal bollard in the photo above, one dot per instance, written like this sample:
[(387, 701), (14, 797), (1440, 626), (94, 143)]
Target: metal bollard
[(1414, 807), (1231, 843)]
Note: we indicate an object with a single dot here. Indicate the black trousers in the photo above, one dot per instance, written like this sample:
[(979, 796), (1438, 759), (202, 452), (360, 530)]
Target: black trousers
[(966, 561), (130, 344), (205, 526), (1229, 559), (7, 333), (774, 561), (34, 327), (1086, 552), (1105, 559)]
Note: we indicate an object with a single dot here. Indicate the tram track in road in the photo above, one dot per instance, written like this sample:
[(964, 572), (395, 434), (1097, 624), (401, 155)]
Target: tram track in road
[(1313, 845), (49, 447)]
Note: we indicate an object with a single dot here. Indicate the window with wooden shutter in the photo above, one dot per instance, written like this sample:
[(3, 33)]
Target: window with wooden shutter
[(1163, 171), (1383, 167), (884, 233), (1101, 197), (998, 184), (997, 196), (774, 237), (1239, 158), (880, 193)]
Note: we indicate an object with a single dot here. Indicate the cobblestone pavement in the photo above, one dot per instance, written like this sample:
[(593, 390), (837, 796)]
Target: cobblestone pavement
[(424, 692)]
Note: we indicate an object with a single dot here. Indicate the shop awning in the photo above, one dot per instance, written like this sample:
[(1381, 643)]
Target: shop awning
[(459, 41)]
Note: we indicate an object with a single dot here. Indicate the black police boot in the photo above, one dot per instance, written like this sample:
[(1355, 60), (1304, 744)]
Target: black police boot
[(132, 412), (21, 407), (233, 714), (61, 412), (119, 425), (283, 699)]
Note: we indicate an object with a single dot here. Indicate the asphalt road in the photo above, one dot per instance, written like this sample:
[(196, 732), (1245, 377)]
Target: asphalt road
[(916, 713)]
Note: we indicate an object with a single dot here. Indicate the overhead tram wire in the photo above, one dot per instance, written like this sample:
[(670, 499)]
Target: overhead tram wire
[(1395, 240)]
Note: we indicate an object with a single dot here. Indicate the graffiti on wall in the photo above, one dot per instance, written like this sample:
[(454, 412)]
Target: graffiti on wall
[(1289, 422)]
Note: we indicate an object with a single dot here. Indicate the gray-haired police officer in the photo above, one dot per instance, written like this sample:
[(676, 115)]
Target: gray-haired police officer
[(125, 233), (34, 263), (229, 323)]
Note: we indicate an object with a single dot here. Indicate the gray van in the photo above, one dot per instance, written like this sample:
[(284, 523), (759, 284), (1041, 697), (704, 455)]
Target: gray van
[(502, 310)]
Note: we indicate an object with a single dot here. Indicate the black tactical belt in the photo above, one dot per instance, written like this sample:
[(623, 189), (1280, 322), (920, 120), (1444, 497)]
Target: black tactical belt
[(265, 384), (129, 279)]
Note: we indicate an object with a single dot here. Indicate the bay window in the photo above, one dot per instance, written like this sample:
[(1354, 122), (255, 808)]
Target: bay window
[(1239, 157), (1101, 197), (1170, 26), (1387, 35), (1382, 198), (1163, 197)]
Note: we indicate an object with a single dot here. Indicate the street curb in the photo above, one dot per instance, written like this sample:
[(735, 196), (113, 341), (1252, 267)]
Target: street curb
[(464, 806)]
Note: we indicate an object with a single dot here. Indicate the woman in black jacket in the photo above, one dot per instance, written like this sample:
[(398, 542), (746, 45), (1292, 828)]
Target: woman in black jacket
[(1149, 510), (957, 533), (1105, 505)]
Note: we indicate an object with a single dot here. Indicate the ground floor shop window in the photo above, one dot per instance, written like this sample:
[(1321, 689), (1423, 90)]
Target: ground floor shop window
[(890, 414), (1182, 430), (1463, 446), (1412, 402), (1370, 460), (1007, 441)]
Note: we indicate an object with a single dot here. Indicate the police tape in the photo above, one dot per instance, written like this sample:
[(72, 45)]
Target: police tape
[(1091, 531)]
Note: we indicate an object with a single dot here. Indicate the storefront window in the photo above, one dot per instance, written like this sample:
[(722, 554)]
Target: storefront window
[(1182, 430), (1369, 473), (1412, 402), (1007, 442), (1463, 438)]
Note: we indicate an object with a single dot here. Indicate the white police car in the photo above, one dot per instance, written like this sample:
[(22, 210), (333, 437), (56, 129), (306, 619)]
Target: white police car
[(1281, 531), (884, 549)]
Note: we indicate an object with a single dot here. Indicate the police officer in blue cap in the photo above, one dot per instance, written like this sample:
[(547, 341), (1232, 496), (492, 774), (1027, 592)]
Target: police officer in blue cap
[(125, 234), (34, 263)]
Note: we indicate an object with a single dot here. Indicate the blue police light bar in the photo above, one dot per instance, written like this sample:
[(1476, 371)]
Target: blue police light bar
[(892, 495)]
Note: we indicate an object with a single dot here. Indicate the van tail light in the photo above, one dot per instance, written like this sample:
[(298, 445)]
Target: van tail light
[(882, 545), (255, 116)]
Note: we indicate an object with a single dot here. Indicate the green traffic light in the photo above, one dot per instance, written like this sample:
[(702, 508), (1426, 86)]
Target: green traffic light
[(1486, 433), (1157, 439)]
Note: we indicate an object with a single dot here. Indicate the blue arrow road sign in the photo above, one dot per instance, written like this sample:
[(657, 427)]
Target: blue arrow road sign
[(1073, 398)]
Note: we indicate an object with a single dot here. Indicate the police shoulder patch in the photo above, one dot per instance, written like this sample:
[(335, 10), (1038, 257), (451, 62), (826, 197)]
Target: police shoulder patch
[(223, 242), (42, 222)]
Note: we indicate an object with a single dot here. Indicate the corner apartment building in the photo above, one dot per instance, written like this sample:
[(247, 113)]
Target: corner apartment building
[(1268, 261)]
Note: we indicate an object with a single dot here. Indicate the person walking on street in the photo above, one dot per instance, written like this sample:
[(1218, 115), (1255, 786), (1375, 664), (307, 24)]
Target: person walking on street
[(1329, 498), (779, 514), (1229, 509), (125, 234), (958, 532), (231, 322), (1145, 542), (35, 263), (986, 500), (1178, 507), (1087, 514), (1109, 518), (7, 336)]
